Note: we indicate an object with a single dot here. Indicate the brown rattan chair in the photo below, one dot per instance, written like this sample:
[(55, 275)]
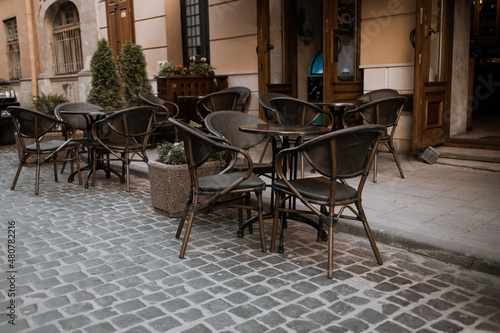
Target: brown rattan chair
[(128, 134), (30, 124), (199, 147), (291, 110), (222, 100), (384, 112), (270, 114), (294, 111), (244, 96), (377, 94), (336, 156), (226, 124), (166, 110), (265, 102)]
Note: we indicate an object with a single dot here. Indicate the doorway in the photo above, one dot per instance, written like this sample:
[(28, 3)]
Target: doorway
[(483, 118)]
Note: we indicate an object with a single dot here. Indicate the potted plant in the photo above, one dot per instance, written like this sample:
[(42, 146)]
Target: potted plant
[(133, 70), (170, 181), (105, 88)]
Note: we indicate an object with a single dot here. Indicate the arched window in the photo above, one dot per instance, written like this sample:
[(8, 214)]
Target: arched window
[(67, 44)]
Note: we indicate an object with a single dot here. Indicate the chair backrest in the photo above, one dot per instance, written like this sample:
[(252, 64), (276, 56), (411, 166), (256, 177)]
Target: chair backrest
[(344, 153), (375, 95), (226, 124), (77, 120), (383, 111), (244, 97), (295, 111), (30, 123), (171, 108), (130, 123), (198, 145), (222, 100), (265, 101)]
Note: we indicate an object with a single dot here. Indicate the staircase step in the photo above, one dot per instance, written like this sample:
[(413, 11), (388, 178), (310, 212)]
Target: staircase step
[(483, 159)]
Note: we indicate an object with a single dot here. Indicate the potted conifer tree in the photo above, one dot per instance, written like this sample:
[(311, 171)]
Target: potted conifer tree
[(133, 69), (170, 181), (105, 83)]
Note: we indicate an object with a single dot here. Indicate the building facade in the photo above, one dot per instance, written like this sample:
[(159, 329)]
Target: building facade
[(266, 45)]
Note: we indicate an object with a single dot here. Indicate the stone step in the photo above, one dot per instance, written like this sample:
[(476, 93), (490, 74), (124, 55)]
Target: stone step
[(482, 159)]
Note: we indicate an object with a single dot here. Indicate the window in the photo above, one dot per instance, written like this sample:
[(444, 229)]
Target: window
[(195, 29), (67, 43), (13, 54)]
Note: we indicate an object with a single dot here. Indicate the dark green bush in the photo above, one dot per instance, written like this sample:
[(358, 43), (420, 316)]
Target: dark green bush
[(135, 78), (46, 103), (105, 84)]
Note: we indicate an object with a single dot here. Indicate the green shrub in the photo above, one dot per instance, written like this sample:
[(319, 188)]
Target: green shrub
[(105, 84), (135, 78), (46, 103), (171, 153)]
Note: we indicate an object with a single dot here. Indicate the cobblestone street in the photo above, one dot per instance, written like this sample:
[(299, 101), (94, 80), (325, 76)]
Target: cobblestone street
[(101, 260)]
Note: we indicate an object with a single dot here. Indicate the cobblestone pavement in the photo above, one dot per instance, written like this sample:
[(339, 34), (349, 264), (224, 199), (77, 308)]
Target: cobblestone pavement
[(101, 260)]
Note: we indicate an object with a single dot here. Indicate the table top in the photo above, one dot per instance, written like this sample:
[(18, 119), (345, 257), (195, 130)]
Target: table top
[(341, 102), (86, 112), (283, 129)]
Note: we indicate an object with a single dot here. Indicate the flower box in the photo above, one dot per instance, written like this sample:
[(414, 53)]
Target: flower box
[(171, 87)]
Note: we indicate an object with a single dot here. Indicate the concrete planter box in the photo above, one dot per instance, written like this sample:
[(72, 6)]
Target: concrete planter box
[(170, 185)]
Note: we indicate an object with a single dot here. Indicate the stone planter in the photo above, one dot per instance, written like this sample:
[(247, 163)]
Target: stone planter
[(172, 87), (170, 185)]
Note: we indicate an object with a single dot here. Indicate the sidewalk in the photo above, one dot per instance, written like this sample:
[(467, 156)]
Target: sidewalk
[(102, 260), (447, 212)]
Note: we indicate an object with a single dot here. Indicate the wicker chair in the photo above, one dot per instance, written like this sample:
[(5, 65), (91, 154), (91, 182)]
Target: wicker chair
[(377, 94), (166, 110), (295, 111), (384, 112), (336, 156), (129, 131), (243, 99), (222, 100), (225, 124), (199, 146), (32, 124)]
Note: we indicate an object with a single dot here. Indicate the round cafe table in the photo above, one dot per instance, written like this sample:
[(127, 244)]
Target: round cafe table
[(286, 132), (337, 108), (91, 116)]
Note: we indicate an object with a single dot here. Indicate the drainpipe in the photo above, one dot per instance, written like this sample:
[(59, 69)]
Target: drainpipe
[(31, 41)]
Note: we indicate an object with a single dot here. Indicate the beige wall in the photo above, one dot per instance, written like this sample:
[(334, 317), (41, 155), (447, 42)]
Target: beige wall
[(233, 36), (233, 43), (385, 29)]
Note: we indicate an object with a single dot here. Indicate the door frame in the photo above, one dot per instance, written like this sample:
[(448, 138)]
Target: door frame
[(289, 48), (115, 28), (431, 111)]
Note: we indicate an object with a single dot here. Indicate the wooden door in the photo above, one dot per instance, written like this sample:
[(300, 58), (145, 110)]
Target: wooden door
[(120, 24), (431, 85), (341, 25), (277, 47)]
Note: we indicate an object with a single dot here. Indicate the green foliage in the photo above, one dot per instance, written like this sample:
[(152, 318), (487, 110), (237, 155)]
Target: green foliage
[(47, 103), (105, 84), (167, 69), (171, 153), (195, 68), (135, 78)]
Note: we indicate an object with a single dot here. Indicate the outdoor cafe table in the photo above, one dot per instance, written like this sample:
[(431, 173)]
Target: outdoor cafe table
[(285, 132), (337, 108), (91, 116)]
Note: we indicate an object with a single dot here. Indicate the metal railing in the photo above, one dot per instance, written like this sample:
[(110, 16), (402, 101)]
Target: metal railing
[(67, 48)]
